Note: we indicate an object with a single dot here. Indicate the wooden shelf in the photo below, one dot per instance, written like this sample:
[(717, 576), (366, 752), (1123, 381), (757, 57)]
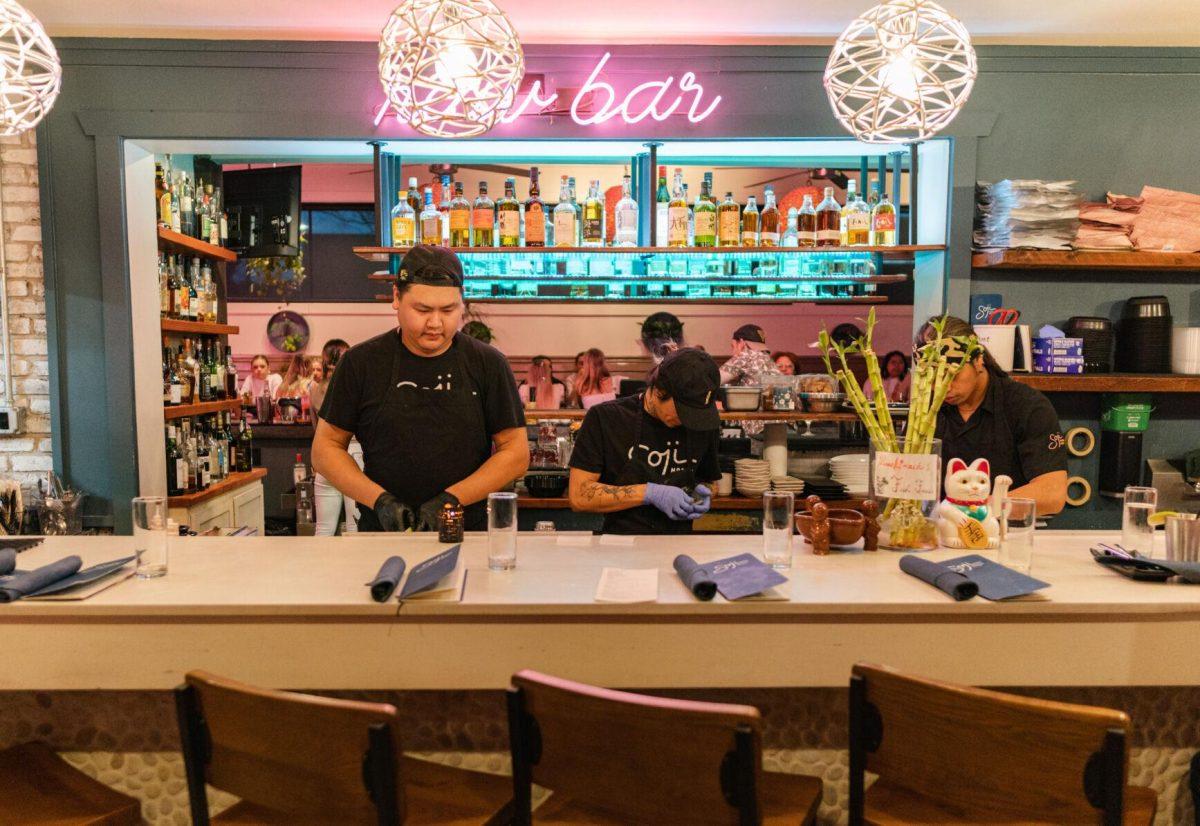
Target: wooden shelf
[(180, 411), (1066, 259), (198, 328), (385, 253), (230, 482), (726, 416), (1110, 383), (177, 242)]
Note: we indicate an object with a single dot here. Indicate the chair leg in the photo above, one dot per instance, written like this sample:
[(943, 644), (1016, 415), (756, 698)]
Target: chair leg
[(522, 802), (1194, 785), (193, 745), (858, 756)]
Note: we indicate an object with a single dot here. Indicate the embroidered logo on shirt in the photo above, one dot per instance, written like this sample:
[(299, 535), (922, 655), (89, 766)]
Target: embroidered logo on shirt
[(1056, 441)]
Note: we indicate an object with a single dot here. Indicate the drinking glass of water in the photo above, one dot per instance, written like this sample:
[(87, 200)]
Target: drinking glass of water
[(1016, 542), (502, 531), (150, 536), (778, 507), (1137, 534)]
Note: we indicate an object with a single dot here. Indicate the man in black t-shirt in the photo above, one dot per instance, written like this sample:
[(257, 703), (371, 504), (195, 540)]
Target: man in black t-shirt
[(646, 461), (436, 412)]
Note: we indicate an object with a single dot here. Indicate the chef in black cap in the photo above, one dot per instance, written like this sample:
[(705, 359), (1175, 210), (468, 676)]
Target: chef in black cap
[(437, 412), (647, 462)]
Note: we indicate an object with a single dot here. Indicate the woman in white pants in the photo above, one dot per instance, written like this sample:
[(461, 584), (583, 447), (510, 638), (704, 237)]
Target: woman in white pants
[(329, 500)]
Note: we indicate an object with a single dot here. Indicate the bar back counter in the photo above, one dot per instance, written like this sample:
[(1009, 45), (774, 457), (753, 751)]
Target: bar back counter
[(93, 677)]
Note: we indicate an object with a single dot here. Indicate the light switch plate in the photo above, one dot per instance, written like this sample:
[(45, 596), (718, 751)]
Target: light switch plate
[(11, 418)]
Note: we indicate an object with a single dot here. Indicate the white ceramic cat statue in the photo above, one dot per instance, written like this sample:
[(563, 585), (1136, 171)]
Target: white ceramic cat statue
[(967, 498)]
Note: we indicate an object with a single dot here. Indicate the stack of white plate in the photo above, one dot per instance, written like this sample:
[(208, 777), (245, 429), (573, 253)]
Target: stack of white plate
[(1185, 350), (752, 477), (851, 471), (788, 483)]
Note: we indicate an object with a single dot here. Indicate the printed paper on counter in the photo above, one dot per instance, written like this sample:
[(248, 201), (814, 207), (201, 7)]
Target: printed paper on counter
[(628, 585), (616, 539), (907, 476)]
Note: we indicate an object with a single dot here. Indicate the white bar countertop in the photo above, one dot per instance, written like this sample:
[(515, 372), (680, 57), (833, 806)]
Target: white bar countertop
[(295, 612)]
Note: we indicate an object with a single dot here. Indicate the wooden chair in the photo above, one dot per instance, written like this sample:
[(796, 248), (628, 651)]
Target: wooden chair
[(611, 757), (946, 754), (38, 787), (299, 759)]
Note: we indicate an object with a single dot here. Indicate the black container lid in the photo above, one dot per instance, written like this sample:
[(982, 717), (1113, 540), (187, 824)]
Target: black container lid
[(1089, 323), (1147, 306)]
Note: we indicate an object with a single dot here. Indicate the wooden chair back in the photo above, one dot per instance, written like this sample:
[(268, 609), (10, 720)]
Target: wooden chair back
[(640, 759), (322, 759), (994, 755)]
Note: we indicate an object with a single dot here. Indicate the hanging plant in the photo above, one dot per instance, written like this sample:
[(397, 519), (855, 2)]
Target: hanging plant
[(277, 275)]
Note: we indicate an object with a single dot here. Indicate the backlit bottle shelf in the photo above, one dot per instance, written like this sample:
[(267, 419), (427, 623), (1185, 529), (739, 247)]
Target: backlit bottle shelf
[(384, 254)]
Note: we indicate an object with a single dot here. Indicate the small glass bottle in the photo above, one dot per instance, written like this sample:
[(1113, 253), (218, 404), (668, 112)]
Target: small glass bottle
[(431, 220), (564, 216), (729, 222), (404, 222), (806, 224), (769, 220), (593, 217), (508, 216), (677, 214), (883, 223), (704, 218), (625, 217), (857, 222), (535, 213), (460, 218), (662, 202), (750, 223), (450, 523), (791, 235), (483, 219), (829, 218)]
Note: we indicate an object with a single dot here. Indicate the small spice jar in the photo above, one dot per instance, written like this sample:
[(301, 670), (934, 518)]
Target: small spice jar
[(450, 523)]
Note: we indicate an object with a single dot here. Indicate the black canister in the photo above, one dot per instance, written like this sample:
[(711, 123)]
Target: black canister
[(1120, 462)]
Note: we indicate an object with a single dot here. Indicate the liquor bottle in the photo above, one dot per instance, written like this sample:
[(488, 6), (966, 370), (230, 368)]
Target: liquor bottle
[(162, 194), (444, 209), (508, 216), (807, 224), (216, 374), (857, 221), (705, 219), (203, 215), (414, 196), (231, 375), (203, 374), (245, 444), (625, 217), (222, 218), (183, 377), (164, 292), (483, 219), (194, 308), (175, 468), (829, 218), (873, 198), (213, 298), (791, 235), (460, 218), (750, 223), (230, 445), (691, 223), (187, 207), (191, 456), (168, 394), (192, 366), (431, 220), (214, 217), (535, 213), (573, 200), (729, 222), (883, 223), (299, 470), (769, 220), (404, 222), (593, 217), (662, 199), (219, 468), (564, 216), (176, 206), (677, 214), (203, 455)]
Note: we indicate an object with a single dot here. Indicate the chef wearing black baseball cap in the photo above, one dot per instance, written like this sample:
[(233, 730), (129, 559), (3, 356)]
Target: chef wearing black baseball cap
[(437, 412), (647, 462)]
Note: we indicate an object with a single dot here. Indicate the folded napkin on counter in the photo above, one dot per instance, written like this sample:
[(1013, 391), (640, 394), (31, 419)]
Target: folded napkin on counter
[(696, 577), (952, 582), (8, 562), (28, 582), (83, 577), (385, 582), (1156, 570)]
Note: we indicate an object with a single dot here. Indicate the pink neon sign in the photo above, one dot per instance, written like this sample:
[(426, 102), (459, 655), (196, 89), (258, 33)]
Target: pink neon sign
[(651, 99)]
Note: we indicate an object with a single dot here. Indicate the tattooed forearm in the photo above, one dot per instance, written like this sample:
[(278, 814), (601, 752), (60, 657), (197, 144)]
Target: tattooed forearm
[(592, 491), (595, 497)]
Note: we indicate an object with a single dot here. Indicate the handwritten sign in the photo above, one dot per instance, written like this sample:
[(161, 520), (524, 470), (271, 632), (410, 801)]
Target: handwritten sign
[(907, 476)]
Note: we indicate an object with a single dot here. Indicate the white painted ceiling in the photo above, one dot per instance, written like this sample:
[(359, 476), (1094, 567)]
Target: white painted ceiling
[(1070, 22)]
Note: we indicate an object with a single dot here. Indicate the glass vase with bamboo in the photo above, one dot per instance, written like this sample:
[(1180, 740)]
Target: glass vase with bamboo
[(935, 364)]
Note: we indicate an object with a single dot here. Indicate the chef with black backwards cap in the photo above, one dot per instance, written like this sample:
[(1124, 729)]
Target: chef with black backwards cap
[(647, 462), (437, 412)]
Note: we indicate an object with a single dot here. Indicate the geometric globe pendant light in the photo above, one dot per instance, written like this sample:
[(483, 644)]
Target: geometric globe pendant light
[(450, 68), (30, 72), (900, 72)]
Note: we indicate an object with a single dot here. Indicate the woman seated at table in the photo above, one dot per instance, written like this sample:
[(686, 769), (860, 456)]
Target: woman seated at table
[(541, 390), (295, 381), (261, 381), (896, 379), (593, 382), (788, 363)]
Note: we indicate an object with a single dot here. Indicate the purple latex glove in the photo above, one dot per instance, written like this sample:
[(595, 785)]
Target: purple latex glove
[(701, 507), (672, 501)]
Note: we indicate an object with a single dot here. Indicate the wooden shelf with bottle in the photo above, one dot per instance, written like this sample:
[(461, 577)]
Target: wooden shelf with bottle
[(182, 411), (179, 243), (198, 328), (898, 251), (230, 482), (1083, 260), (1110, 383)]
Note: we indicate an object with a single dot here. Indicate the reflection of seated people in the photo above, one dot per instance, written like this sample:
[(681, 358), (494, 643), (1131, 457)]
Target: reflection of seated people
[(541, 390), (261, 381), (593, 383), (896, 379), (787, 363)]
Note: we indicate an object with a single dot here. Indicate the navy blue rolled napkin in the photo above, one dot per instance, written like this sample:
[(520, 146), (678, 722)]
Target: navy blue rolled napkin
[(27, 582), (8, 562), (696, 577), (389, 576), (951, 582)]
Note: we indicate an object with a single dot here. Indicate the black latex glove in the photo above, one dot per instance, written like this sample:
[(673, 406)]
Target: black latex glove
[(394, 515), (428, 517)]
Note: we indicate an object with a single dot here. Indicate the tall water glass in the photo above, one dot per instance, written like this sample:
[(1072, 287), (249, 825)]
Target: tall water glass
[(502, 531), (1016, 540), (1137, 534), (150, 536), (778, 507)]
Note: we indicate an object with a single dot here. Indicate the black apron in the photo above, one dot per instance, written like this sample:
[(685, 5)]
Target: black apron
[(419, 442), (648, 519)]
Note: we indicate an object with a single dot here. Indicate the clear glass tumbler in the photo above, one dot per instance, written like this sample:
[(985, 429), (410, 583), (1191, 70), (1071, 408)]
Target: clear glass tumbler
[(502, 531), (778, 507), (1016, 538), (1137, 534), (150, 536)]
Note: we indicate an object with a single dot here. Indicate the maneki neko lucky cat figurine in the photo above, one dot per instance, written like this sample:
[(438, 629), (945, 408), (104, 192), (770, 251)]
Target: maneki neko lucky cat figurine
[(969, 518)]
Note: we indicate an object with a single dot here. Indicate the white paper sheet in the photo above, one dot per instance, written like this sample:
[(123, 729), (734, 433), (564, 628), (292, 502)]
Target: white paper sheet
[(628, 585), (616, 539)]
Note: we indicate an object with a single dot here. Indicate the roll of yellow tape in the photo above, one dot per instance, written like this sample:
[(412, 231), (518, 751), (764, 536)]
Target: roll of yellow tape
[(1076, 501), (1091, 441)]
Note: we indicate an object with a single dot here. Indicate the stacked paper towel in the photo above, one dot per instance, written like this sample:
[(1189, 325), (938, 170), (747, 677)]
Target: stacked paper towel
[(1020, 213)]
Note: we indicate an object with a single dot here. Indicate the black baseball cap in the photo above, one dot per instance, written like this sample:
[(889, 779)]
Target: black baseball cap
[(430, 265), (750, 332), (692, 379)]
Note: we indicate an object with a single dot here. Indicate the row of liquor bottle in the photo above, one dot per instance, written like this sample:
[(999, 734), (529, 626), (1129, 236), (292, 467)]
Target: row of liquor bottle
[(192, 377), (704, 222), (194, 209), (186, 289), (203, 450)]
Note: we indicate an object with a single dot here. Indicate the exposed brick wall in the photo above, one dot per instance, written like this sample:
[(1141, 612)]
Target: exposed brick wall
[(25, 456)]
